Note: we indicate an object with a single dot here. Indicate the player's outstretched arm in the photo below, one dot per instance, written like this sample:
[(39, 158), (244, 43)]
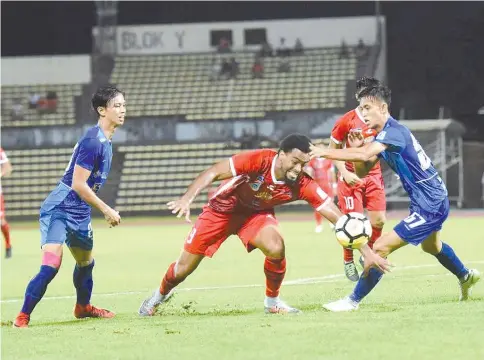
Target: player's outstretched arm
[(357, 154), (219, 171), (79, 185), (349, 177)]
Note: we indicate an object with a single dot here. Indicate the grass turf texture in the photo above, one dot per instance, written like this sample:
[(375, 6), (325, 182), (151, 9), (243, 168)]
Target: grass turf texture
[(218, 311)]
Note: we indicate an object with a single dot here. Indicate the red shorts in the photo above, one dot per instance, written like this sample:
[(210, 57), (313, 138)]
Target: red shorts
[(2, 207), (368, 195), (212, 228)]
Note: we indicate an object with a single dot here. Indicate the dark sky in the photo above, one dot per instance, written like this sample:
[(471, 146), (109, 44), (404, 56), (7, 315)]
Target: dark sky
[(435, 49)]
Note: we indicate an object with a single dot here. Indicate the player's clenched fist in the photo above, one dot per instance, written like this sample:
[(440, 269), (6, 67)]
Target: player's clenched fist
[(317, 151), (180, 207), (112, 217)]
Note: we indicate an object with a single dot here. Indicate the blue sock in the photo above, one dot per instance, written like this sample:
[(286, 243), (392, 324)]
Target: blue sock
[(36, 288), (366, 284), (82, 279), (451, 262)]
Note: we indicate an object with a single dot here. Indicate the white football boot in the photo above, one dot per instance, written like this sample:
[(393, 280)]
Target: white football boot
[(466, 286), (149, 306), (274, 305), (345, 304)]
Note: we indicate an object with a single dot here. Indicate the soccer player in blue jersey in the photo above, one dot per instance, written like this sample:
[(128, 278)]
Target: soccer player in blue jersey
[(65, 215), (429, 203)]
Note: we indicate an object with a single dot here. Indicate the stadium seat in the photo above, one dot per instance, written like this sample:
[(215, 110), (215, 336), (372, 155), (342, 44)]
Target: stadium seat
[(180, 85)]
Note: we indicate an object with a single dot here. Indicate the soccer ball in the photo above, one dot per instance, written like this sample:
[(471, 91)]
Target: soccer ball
[(353, 230)]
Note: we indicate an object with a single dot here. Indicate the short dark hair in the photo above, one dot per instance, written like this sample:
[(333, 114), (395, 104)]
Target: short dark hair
[(365, 82), (103, 96), (295, 141), (380, 92)]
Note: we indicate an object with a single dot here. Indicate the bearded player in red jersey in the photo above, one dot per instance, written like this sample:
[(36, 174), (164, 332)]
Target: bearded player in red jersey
[(322, 171), (244, 205), (355, 194)]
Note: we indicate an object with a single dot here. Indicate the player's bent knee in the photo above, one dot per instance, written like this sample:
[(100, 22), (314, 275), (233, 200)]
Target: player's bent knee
[(51, 259), (273, 246), (85, 263)]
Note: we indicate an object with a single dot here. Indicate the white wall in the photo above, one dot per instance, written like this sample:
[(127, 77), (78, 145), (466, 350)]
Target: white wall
[(178, 38), (71, 69)]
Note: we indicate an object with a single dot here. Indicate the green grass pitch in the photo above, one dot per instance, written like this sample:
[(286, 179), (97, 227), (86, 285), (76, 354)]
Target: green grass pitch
[(217, 313)]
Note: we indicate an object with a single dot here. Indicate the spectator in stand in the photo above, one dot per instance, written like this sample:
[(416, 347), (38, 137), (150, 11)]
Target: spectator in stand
[(283, 50), (33, 100), (361, 50), (225, 72), (298, 47), (284, 65), (17, 112), (266, 50), (234, 68), (258, 68), (224, 46), (215, 69), (51, 102), (344, 52)]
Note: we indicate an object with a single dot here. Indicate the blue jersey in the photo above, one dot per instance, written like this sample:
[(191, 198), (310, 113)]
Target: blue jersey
[(418, 175), (93, 152)]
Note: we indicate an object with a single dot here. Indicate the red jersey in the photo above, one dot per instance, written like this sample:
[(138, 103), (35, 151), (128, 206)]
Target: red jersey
[(255, 188), (321, 170), (353, 120), (3, 160)]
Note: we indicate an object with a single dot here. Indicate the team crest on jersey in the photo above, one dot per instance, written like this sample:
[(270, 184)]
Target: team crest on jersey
[(257, 183), (264, 195)]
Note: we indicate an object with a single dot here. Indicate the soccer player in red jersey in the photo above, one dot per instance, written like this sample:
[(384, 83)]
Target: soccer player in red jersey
[(244, 205), (6, 170), (322, 171), (355, 194)]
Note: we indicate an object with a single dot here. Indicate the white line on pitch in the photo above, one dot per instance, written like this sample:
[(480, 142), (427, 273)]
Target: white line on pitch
[(303, 281)]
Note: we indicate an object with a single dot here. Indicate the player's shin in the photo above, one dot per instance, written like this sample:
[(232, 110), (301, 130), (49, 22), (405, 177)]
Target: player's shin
[(6, 233), (348, 255), (375, 234), (451, 262), (82, 279), (365, 285), (274, 269), (38, 285), (170, 280)]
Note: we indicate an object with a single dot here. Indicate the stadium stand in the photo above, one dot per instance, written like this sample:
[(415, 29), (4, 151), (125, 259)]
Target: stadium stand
[(37, 171), (64, 115), (180, 85)]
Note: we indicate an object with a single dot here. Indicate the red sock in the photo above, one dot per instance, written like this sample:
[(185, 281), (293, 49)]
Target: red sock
[(319, 217), (169, 281), (375, 234), (348, 255), (6, 234), (275, 269)]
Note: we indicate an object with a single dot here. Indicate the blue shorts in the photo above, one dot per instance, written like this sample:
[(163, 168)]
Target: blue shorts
[(420, 224), (57, 227)]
